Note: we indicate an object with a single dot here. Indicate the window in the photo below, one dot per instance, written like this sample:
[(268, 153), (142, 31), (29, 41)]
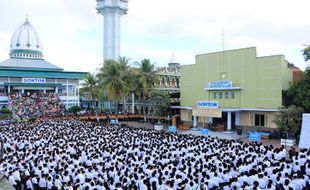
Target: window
[(226, 95), (221, 95), (232, 95), (214, 95), (223, 75), (259, 120)]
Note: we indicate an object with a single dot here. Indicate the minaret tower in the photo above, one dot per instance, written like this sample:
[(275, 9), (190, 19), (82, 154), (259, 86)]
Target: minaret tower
[(112, 10)]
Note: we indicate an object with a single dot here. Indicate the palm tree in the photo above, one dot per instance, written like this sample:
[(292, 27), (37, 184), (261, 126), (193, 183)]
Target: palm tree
[(111, 78), (127, 77), (90, 87), (147, 79), (134, 85)]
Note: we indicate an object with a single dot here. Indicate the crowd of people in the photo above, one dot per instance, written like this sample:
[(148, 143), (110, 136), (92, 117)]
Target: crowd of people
[(36, 105), (73, 154)]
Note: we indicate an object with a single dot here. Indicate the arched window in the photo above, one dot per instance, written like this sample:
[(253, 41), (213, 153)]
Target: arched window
[(168, 82), (173, 83)]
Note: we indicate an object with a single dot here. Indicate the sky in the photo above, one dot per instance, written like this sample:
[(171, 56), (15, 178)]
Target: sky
[(72, 32)]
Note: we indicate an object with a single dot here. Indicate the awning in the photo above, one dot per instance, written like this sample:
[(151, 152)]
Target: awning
[(232, 109), (32, 84)]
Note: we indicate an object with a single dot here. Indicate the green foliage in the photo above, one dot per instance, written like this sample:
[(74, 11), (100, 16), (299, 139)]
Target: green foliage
[(306, 53), (5, 111), (147, 78), (74, 109), (90, 86), (147, 75), (160, 102), (289, 120), (114, 77), (299, 91), (111, 78), (31, 119)]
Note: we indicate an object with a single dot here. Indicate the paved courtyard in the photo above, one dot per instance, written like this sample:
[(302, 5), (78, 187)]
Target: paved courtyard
[(222, 135)]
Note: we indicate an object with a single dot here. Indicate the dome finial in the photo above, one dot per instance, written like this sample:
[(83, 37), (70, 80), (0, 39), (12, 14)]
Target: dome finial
[(27, 20)]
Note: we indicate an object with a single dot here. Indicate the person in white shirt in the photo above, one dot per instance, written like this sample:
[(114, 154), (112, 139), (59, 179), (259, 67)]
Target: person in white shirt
[(42, 182), (29, 185), (58, 183), (17, 179), (12, 180)]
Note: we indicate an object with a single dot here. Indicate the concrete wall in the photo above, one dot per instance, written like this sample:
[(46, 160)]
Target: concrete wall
[(248, 118), (258, 81), (186, 115)]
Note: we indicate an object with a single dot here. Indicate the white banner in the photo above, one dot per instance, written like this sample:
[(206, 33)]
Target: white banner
[(33, 80), (220, 84), (304, 141), (207, 112)]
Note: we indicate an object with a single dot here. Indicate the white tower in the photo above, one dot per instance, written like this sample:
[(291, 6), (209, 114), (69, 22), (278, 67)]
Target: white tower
[(112, 10)]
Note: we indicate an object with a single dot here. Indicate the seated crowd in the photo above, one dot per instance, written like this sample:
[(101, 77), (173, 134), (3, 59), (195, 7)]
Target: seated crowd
[(73, 154), (36, 105)]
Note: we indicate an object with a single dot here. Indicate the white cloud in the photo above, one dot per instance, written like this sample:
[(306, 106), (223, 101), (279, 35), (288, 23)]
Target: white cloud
[(5, 43), (71, 31), (264, 47)]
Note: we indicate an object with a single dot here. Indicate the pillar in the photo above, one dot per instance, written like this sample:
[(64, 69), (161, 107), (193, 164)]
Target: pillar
[(112, 11), (195, 121), (75, 91), (67, 94), (237, 118), (132, 103), (229, 121), (9, 89)]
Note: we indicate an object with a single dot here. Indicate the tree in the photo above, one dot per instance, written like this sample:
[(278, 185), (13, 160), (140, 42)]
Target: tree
[(299, 91), (90, 87), (74, 109), (127, 77), (112, 78), (5, 111), (289, 120), (134, 85), (306, 53), (147, 79), (160, 102)]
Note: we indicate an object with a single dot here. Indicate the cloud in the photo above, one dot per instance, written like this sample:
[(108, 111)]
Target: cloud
[(72, 31)]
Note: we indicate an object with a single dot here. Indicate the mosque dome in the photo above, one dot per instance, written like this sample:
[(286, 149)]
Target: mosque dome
[(25, 43), (173, 61)]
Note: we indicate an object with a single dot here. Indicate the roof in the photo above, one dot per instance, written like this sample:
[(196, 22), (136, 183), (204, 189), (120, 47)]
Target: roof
[(28, 64), (42, 74), (25, 42)]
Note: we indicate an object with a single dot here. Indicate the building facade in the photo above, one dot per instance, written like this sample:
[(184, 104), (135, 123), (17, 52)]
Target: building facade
[(247, 88), (168, 80), (27, 72)]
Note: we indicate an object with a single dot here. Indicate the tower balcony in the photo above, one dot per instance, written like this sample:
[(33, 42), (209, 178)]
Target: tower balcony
[(114, 4)]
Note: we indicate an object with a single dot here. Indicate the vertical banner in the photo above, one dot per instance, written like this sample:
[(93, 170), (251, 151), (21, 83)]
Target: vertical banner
[(304, 141)]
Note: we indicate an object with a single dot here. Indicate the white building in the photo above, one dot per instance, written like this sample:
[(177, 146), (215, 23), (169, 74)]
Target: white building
[(26, 71)]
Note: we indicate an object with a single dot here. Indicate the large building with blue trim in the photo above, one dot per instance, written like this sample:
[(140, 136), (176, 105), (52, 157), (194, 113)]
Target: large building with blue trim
[(26, 71)]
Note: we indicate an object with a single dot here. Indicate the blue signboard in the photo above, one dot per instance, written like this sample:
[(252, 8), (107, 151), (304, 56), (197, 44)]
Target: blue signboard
[(253, 136), (33, 80), (204, 131), (172, 129), (113, 122), (220, 84), (207, 104)]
